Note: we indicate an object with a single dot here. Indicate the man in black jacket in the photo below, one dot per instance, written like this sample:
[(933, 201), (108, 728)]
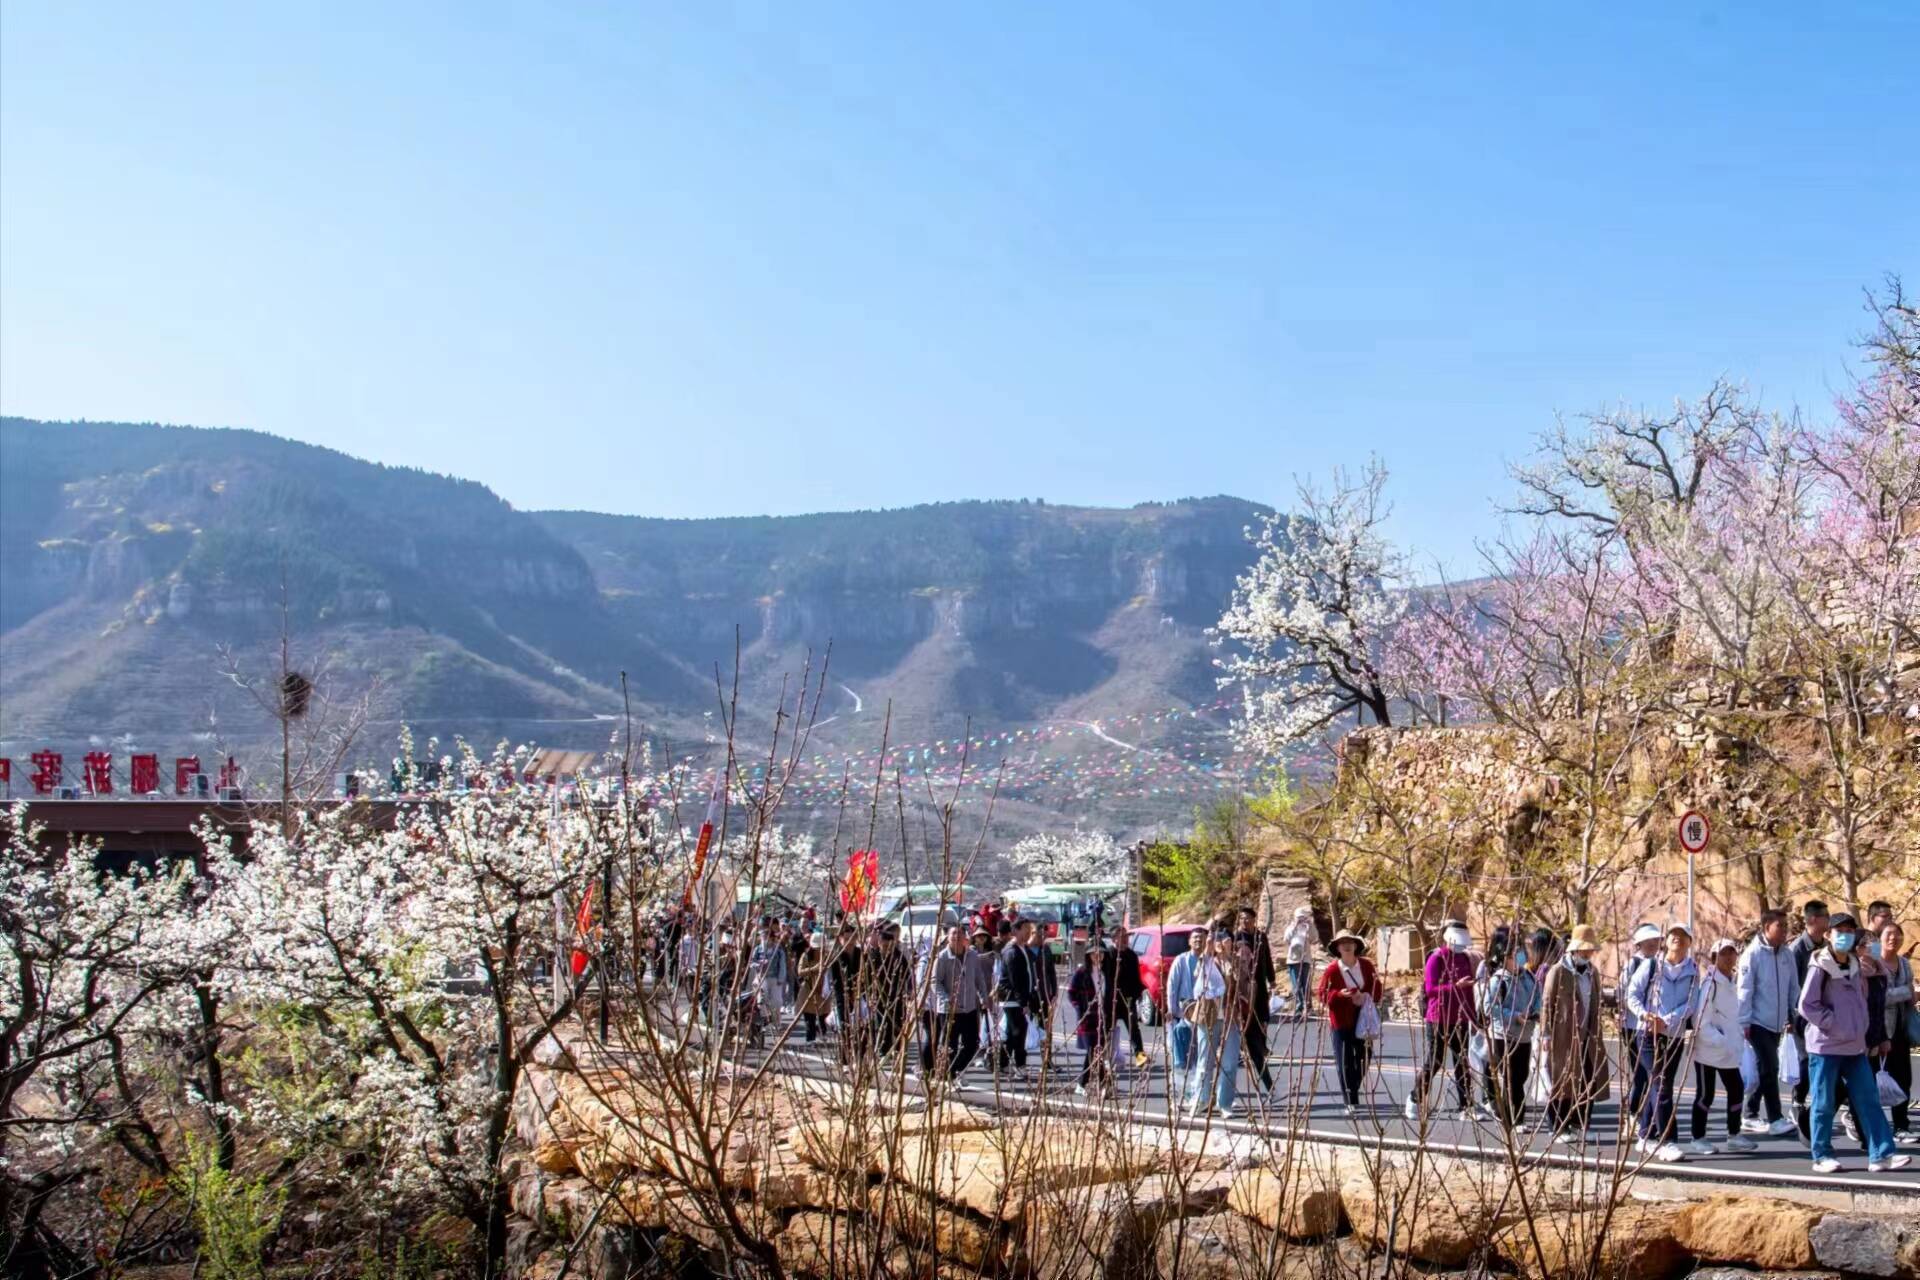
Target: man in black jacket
[(1263, 975), (1014, 993), (846, 979), (1124, 981)]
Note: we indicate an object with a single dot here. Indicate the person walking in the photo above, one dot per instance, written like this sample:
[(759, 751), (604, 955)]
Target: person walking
[(1217, 1031), (1046, 991), (886, 987), (1179, 994), (1299, 944), (952, 1009), (1448, 988), (1661, 999), (1348, 987), (1576, 1051), (1260, 995), (813, 999), (1901, 1024), (1717, 1047), (1091, 992), (1815, 921), (1128, 987), (1833, 1004), (1509, 1010), (1768, 983), (1646, 948), (1013, 989)]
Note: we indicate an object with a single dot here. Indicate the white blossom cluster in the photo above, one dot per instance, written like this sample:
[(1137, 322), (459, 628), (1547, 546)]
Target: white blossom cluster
[(1080, 857)]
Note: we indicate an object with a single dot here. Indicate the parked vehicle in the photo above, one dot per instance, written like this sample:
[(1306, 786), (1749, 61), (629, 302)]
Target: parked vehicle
[(923, 927), (1158, 946), (1059, 910), (889, 899)]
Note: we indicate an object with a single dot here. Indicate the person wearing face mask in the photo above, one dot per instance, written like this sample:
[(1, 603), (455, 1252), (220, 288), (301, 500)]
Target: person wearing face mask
[(1575, 1049), (1834, 1005), (1661, 998), (1811, 939), (1448, 987)]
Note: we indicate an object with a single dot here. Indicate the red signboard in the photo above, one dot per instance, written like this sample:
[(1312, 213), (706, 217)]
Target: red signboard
[(98, 773), (184, 769), (143, 774), (47, 768)]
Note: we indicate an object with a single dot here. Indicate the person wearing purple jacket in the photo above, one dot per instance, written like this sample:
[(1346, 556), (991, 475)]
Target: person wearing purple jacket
[(1448, 987), (1834, 1003)]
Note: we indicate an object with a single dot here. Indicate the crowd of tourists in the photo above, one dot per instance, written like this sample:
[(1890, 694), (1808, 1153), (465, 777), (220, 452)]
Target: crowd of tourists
[(1790, 1037)]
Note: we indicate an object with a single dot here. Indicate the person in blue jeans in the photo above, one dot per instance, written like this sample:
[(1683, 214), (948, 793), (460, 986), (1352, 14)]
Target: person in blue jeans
[(1222, 992), (1660, 997), (1834, 1003), (1179, 997)]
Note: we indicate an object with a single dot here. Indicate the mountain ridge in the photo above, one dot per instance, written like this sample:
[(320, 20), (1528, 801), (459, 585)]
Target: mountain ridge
[(131, 553)]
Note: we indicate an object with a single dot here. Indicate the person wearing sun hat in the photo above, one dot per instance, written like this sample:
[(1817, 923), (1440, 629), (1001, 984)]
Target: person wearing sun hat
[(1347, 986), (1576, 1052), (1645, 949)]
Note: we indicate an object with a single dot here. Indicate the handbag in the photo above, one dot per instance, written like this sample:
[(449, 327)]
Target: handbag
[(1367, 1024), (1479, 1050), (1790, 1063), (1203, 1012)]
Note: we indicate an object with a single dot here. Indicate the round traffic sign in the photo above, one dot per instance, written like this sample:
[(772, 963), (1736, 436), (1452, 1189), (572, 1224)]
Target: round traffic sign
[(1694, 830)]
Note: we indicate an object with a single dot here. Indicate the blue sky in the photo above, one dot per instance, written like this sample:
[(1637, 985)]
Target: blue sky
[(705, 260)]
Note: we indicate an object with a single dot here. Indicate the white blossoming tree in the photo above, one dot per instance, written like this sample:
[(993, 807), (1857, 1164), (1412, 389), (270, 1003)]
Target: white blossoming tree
[(1311, 619), (1080, 857)]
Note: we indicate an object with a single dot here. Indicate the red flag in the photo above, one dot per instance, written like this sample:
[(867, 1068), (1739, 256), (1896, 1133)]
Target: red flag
[(706, 840), (583, 928)]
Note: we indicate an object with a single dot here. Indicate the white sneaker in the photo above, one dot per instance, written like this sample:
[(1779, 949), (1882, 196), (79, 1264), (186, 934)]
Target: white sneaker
[(1906, 1138), (1782, 1127), (1465, 1115), (1701, 1147), (1667, 1153), (1850, 1125), (1197, 1111), (1566, 1138), (1079, 1091), (1829, 1165), (1642, 1146), (1741, 1142), (1889, 1164), (1413, 1111), (1483, 1112), (1350, 1110)]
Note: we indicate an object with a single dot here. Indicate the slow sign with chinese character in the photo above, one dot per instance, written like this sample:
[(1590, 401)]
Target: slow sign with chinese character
[(1694, 830)]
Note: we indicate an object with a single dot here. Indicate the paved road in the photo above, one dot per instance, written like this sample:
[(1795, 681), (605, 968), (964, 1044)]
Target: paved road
[(1306, 1101)]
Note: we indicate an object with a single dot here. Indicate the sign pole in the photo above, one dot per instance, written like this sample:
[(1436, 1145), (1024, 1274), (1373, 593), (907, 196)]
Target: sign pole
[(1694, 833)]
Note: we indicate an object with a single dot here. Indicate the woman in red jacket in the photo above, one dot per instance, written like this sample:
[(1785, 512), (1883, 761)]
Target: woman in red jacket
[(1347, 986)]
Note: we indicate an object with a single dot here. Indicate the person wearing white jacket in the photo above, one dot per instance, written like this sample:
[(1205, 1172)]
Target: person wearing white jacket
[(1717, 1045)]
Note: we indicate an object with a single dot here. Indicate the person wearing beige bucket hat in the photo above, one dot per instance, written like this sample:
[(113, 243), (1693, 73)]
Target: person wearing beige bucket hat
[(1576, 1050), (1348, 987)]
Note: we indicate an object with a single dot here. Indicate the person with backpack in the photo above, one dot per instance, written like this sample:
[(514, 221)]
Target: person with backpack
[(1833, 1004), (1348, 987), (1717, 1048), (1769, 989), (1661, 998)]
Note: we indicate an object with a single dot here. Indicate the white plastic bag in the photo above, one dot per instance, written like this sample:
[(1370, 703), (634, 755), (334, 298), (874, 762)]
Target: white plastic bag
[(1036, 1037), (1891, 1094), (1789, 1063), (1479, 1050), (1749, 1068), (1539, 1086), (1367, 1025)]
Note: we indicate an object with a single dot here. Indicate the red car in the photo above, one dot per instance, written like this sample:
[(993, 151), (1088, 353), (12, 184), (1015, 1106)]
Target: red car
[(1158, 946)]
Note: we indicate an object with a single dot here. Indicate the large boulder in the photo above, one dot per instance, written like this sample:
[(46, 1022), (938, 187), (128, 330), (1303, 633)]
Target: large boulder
[(949, 1232), (1867, 1244), (1773, 1235), (830, 1246), (1292, 1200), (1108, 1229), (1434, 1220), (1633, 1241), (1228, 1246)]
